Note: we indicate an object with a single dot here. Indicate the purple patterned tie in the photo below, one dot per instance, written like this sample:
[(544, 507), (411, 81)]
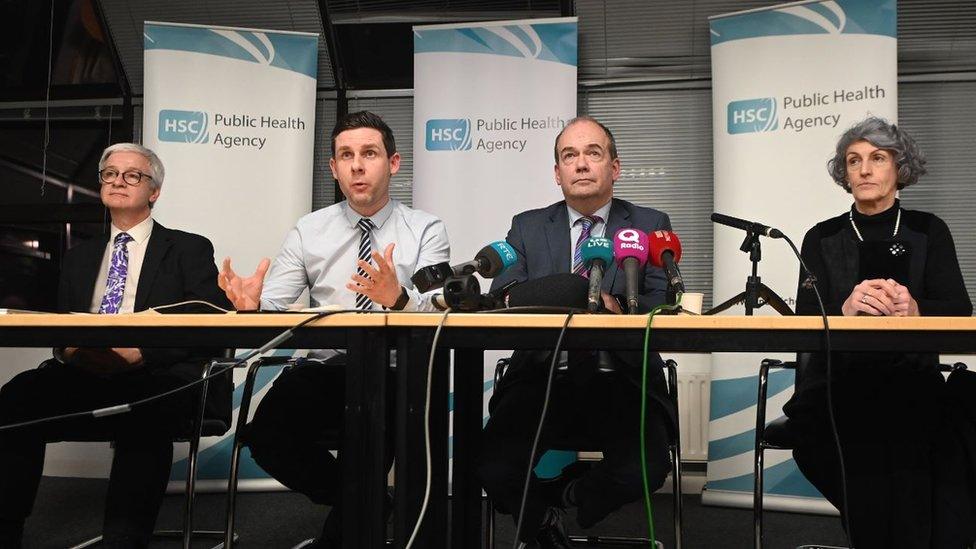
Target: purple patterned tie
[(587, 222), (117, 271)]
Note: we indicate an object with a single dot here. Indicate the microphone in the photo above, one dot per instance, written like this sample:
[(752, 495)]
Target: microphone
[(665, 253), (557, 290), (748, 226), (597, 253), (630, 251), (463, 293), (489, 262)]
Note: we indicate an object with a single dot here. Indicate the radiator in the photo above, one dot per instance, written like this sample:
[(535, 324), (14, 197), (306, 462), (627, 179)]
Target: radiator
[(693, 400)]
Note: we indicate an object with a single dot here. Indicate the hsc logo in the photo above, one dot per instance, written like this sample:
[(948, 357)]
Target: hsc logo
[(753, 115), (183, 126), (448, 134)]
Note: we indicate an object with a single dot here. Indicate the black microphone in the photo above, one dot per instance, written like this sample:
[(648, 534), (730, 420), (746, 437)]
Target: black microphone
[(462, 293), (489, 262), (748, 226), (432, 277), (557, 290)]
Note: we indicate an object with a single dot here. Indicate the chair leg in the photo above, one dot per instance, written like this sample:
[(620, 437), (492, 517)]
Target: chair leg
[(489, 524), (187, 533), (232, 495), (88, 543), (672, 367), (235, 460), (757, 491), (191, 463), (677, 493)]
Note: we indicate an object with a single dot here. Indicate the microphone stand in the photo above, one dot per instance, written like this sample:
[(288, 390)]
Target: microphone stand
[(755, 289)]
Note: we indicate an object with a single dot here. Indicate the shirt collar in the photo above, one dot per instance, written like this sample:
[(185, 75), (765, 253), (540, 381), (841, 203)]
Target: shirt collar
[(602, 212), (139, 232), (378, 219)]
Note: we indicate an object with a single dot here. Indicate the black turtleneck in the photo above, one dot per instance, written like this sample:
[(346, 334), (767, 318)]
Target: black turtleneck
[(937, 284), (879, 226)]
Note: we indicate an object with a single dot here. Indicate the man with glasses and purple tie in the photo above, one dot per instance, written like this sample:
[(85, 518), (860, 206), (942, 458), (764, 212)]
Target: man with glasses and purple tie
[(600, 408), (354, 255), (140, 264)]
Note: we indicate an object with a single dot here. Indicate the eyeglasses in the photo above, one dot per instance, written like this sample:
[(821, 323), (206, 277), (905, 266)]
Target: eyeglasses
[(133, 178)]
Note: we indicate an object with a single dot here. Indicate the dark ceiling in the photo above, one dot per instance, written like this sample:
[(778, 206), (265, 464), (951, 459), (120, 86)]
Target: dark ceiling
[(94, 51)]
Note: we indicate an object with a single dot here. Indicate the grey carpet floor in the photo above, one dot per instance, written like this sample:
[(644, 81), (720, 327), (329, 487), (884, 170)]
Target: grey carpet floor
[(69, 511)]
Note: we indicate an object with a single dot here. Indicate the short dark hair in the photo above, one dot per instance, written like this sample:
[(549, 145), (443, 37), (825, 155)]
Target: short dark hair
[(909, 159), (613, 142), (365, 119)]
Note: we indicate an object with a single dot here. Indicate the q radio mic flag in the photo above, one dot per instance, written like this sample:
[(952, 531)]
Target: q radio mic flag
[(630, 248)]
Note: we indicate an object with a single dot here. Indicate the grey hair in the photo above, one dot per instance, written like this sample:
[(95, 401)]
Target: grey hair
[(909, 160), (155, 164)]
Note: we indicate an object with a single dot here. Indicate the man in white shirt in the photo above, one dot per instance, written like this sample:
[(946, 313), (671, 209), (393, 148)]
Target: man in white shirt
[(138, 265), (358, 254)]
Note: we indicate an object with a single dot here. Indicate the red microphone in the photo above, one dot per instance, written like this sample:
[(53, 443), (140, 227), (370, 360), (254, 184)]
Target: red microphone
[(665, 254), (630, 251)]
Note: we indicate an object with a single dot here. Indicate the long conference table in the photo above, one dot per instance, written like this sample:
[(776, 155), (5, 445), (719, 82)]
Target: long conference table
[(368, 339)]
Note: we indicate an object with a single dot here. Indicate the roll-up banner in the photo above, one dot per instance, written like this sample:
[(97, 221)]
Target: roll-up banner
[(231, 113), (783, 91), (489, 100)]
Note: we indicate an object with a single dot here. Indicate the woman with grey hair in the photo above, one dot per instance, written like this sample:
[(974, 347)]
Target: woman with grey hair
[(879, 259)]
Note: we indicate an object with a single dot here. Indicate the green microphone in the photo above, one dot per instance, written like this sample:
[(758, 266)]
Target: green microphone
[(597, 254)]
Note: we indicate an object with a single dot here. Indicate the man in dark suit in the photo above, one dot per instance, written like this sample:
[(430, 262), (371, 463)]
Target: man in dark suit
[(140, 265), (588, 408)]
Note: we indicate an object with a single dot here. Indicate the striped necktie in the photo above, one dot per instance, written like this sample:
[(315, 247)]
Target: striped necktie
[(364, 303), (587, 223), (118, 271)]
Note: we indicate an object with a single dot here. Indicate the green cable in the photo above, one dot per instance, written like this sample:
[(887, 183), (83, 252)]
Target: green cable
[(643, 417)]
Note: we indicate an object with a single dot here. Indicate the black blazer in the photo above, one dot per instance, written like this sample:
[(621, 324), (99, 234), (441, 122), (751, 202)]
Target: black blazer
[(541, 240), (178, 266)]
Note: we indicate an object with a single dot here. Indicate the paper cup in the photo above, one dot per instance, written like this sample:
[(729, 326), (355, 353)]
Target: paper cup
[(691, 303)]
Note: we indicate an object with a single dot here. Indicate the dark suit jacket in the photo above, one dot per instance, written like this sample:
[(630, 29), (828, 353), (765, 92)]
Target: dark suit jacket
[(541, 239), (178, 266)]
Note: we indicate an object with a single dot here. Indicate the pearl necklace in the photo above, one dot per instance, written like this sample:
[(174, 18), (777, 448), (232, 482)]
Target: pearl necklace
[(850, 215)]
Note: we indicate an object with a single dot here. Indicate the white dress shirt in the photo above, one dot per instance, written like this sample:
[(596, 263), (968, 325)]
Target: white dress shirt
[(137, 253), (320, 254)]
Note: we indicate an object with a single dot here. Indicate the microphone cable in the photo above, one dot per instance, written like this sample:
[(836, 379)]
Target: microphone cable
[(849, 530), (128, 407), (427, 462), (542, 422), (643, 415), (190, 302)]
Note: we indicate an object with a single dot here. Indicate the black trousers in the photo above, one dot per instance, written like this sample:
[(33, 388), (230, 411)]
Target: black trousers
[(143, 443), (600, 411), (889, 419), (299, 422)]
